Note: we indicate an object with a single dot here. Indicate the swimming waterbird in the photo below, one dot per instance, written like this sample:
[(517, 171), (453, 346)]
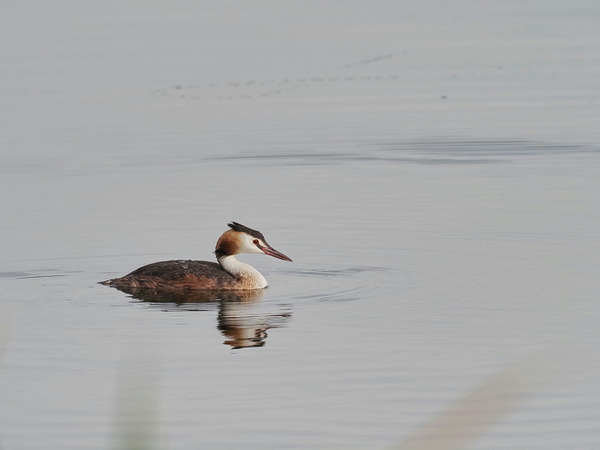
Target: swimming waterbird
[(226, 274)]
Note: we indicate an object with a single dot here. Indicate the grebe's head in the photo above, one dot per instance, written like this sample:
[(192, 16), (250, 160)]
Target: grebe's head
[(241, 239)]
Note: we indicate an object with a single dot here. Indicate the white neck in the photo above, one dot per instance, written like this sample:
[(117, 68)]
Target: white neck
[(243, 271)]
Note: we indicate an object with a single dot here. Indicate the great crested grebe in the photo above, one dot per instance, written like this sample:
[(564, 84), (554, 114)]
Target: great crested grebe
[(228, 274)]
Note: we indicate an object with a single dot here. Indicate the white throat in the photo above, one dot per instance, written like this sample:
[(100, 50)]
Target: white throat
[(245, 272)]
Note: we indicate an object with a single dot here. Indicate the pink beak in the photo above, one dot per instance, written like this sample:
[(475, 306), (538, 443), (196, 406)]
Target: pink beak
[(272, 252)]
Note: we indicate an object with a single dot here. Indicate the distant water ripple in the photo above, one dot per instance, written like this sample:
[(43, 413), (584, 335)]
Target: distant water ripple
[(439, 151)]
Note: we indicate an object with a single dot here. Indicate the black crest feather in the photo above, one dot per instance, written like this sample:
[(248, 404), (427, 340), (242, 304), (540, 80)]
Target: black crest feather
[(244, 229)]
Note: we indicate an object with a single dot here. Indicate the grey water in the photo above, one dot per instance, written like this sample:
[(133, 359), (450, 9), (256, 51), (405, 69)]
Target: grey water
[(431, 168)]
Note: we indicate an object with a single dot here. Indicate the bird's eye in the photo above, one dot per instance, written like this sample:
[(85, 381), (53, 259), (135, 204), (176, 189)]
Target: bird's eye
[(255, 241)]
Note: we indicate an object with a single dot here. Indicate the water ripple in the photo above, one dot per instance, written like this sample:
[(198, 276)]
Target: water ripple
[(439, 151), (346, 284)]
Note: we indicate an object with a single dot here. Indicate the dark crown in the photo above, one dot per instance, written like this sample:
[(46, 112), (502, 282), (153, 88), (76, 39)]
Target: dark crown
[(244, 229)]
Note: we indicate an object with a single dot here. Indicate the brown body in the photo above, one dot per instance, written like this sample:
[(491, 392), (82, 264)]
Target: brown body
[(178, 275)]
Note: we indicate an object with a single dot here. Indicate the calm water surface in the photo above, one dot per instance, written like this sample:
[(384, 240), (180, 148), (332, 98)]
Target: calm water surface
[(431, 170)]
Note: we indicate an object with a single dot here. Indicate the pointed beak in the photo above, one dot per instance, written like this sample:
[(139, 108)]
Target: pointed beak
[(272, 252)]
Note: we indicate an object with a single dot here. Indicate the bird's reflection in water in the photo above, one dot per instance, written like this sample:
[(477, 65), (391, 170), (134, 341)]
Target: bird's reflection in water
[(244, 325), (239, 318)]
